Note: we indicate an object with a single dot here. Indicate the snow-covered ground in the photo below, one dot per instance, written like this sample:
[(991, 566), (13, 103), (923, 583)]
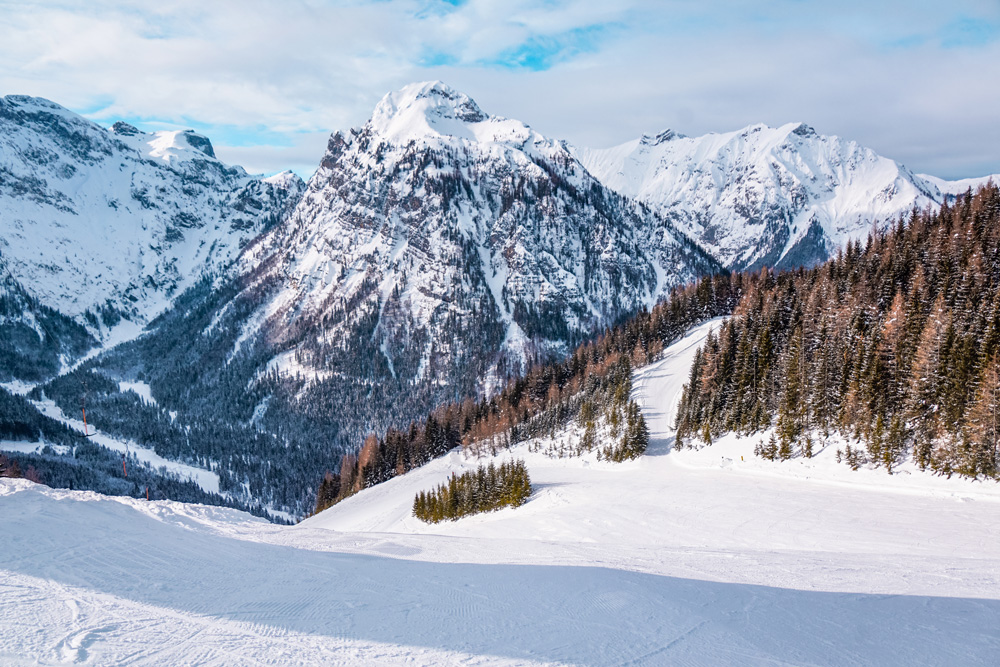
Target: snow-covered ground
[(689, 557)]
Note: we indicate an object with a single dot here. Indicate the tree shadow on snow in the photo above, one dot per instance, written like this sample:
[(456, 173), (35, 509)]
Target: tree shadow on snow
[(660, 446)]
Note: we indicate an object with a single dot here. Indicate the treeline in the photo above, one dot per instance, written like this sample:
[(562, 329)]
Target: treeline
[(893, 343), (548, 396), (487, 489)]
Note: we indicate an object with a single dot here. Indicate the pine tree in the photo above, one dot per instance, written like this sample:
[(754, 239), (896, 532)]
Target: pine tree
[(983, 429), (925, 385)]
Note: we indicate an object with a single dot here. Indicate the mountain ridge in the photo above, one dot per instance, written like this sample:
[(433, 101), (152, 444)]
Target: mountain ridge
[(114, 222), (765, 196)]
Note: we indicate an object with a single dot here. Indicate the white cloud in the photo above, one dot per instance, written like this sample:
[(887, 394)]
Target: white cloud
[(886, 74)]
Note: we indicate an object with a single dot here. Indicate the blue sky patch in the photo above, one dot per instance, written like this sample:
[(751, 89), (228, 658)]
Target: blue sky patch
[(540, 52), (968, 32)]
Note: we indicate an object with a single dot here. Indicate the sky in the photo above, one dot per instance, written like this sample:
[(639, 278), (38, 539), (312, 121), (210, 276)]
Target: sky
[(268, 81)]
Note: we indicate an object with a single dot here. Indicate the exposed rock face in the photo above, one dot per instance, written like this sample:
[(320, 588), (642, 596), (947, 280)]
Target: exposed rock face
[(444, 243)]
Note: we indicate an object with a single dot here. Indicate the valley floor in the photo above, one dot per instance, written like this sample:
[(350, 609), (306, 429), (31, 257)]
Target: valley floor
[(682, 557)]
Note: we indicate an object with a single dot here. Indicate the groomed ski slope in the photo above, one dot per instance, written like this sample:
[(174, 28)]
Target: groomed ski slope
[(681, 557)]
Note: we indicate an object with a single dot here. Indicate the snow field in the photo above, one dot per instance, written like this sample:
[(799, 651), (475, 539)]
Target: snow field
[(676, 558)]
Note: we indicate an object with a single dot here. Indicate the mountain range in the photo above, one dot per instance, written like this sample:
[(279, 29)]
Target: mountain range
[(763, 196), (436, 250)]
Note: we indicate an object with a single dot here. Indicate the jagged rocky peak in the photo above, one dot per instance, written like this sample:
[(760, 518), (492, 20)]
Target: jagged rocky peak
[(662, 137), (198, 142), (123, 129), (804, 130), (436, 226), (176, 139), (117, 220)]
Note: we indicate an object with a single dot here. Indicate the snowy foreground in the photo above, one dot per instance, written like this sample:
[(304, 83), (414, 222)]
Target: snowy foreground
[(689, 557)]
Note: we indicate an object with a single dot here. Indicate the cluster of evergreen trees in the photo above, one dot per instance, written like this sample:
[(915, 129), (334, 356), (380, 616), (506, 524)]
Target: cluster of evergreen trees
[(893, 343), (35, 338), (487, 489), (612, 423), (545, 398)]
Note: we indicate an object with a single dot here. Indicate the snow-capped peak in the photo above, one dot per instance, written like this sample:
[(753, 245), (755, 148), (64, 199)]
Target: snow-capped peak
[(170, 146), (760, 195), (425, 109), (119, 220)]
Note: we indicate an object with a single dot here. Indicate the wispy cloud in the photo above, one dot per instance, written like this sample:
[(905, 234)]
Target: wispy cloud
[(264, 79)]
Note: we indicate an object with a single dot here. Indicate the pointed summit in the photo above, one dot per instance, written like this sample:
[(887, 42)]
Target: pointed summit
[(425, 109)]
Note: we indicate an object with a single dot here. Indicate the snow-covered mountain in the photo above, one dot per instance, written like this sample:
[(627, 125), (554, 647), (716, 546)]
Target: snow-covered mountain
[(437, 237), (784, 196), (102, 224), (436, 250)]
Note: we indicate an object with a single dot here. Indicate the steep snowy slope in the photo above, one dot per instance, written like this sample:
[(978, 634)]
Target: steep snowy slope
[(653, 562), (101, 224), (759, 196)]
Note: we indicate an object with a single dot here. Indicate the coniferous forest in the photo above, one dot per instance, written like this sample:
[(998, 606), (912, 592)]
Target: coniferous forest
[(895, 344), (486, 489), (547, 397), (68, 460)]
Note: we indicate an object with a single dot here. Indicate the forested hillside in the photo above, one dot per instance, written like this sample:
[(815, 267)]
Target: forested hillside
[(893, 344), (68, 460), (589, 381)]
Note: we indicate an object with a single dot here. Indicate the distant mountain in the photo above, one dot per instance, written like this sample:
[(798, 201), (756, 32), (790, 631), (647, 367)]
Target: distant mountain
[(763, 196), (103, 224), (953, 188)]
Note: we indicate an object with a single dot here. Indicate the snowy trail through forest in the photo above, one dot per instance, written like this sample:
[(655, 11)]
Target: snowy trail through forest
[(680, 557), (206, 479)]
